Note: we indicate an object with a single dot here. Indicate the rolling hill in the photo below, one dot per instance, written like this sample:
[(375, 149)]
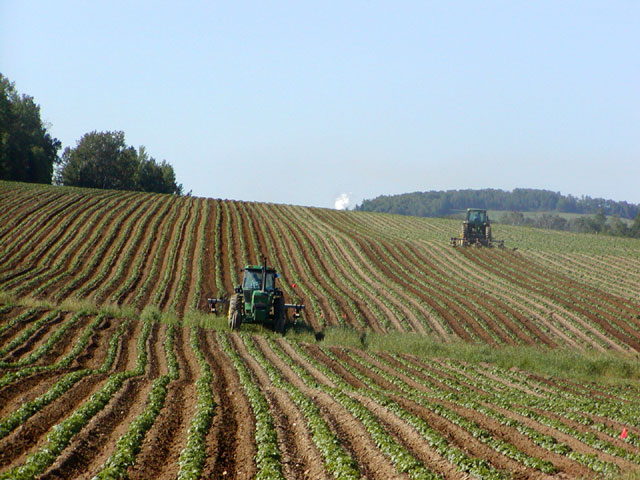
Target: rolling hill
[(107, 372)]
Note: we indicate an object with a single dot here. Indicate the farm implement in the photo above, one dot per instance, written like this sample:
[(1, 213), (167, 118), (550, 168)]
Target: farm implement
[(257, 300), (476, 231)]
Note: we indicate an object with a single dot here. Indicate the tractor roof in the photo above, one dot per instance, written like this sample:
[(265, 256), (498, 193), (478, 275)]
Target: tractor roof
[(259, 268)]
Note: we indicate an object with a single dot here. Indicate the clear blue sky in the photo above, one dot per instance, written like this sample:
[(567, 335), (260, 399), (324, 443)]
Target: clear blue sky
[(299, 102)]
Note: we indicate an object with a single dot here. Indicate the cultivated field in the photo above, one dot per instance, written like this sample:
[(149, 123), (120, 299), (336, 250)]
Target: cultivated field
[(104, 372)]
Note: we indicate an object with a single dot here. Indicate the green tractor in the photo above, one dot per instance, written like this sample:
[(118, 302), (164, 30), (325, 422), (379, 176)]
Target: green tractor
[(257, 300), (476, 231)]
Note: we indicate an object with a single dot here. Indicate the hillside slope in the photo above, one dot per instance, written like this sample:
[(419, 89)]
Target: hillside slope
[(363, 270)]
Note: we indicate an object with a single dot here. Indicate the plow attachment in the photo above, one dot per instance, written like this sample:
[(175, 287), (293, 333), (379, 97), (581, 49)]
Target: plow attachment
[(216, 303), (298, 308)]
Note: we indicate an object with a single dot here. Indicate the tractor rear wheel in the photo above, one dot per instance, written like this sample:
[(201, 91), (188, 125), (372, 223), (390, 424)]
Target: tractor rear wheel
[(278, 315), (235, 314)]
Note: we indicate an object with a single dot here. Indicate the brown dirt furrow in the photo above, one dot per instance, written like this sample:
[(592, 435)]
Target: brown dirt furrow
[(565, 466), (480, 277), (611, 304), (67, 251), (65, 344), (344, 246), (95, 351), (26, 208), (158, 457), (183, 304), (450, 262), (299, 360), (133, 245), (176, 268), (319, 355), (618, 281), (574, 443), (37, 225), (545, 314), (160, 251), (107, 265), (401, 432), (489, 306), (194, 255), (339, 293), (353, 436), (105, 239), (94, 444), (417, 373), (390, 253), (163, 230), (12, 332), (631, 338), (363, 259), (38, 338), (224, 248), (208, 288), (32, 435), (500, 382), (365, 310), (252, 247), (252, 212), (617, 441), (231, 439), (599, 301), (236, 233), (369, 270), (588, 389), (300, 457), (230, 442), (331, 266), (462, 439), (13, 395), (395, 368), (24, 439), (30, 264), (8, 312)]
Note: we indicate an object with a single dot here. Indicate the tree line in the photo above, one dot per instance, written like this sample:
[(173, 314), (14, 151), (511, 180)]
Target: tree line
[(443, 203), (28, 153), (448, 203), (598, 223)]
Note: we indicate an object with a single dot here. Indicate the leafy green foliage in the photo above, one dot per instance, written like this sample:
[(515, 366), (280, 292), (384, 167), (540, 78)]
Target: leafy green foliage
[(27, 150), (433, 204), (103, 160)]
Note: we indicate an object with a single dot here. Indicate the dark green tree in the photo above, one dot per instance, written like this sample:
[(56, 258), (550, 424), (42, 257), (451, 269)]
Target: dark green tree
[(103, 160), (634, 229), (99, 160), (154, 177), (27, 150)]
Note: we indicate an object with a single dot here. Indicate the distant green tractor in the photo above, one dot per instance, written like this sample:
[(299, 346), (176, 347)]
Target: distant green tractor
[(476, 231), (257, 300)]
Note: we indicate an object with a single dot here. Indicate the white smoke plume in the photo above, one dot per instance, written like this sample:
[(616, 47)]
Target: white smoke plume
[(342, 202)]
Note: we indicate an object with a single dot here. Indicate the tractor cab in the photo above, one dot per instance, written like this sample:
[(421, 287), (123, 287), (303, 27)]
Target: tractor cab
[(253, 278), (477, 216)]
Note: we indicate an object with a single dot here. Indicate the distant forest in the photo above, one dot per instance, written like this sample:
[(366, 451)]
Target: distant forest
[(444, 203)]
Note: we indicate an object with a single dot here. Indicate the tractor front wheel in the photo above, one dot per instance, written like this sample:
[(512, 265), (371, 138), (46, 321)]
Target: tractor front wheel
[(235, 313)]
